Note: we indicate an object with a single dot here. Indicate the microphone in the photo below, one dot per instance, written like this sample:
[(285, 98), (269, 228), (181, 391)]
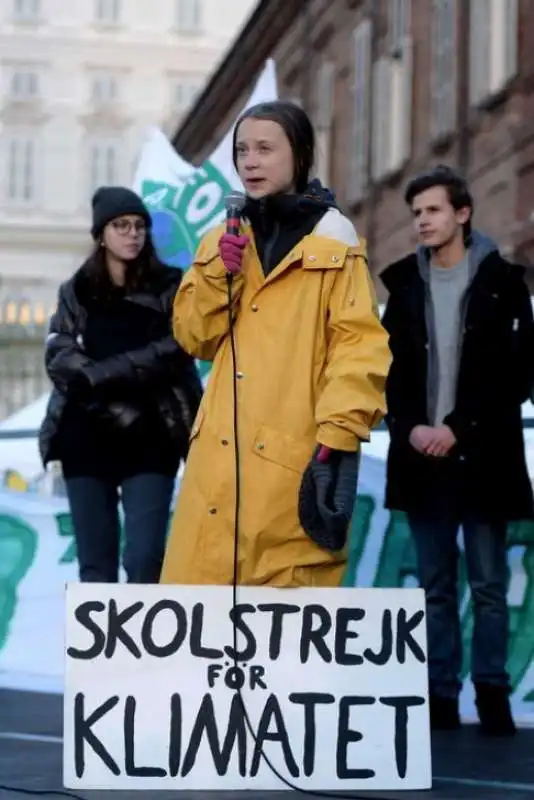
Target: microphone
[(235, 203)]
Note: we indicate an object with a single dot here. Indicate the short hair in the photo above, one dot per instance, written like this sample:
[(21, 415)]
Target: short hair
[(455, 186)]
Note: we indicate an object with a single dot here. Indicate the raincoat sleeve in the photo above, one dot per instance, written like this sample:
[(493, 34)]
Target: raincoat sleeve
[(352, 401), (200, 314)]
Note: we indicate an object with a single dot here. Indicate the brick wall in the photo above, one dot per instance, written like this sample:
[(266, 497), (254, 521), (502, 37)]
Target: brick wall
[(495, 147)]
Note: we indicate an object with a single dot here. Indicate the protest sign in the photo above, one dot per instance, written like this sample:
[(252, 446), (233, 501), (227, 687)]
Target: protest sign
[(329, 684)]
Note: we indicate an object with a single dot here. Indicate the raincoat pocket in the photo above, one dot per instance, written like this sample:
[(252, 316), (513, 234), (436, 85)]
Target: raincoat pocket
[(282, 449)]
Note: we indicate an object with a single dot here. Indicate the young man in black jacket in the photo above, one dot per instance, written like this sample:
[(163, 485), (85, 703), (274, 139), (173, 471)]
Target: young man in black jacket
[(461, 329)]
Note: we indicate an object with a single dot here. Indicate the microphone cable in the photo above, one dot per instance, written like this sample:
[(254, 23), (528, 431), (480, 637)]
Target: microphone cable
[(235, 577)]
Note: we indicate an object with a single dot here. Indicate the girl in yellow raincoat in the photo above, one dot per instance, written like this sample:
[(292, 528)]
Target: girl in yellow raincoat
[(312, 360)]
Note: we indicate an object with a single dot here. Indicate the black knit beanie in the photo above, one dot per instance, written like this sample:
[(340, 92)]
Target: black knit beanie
[(110, 202)]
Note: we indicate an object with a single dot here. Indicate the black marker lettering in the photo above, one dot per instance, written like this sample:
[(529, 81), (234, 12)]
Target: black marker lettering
[(83, 734), (129, 746), (256, 677), (272, 711), (401, 706), (345, 736), (116, 631), (343, 617), (386, 651), (278, 611), (214, 672), (235, 732), (162, 651), (405, 639), (309, 701), (83, 615), (197, 648), (175, 736), (310, 635), (236, 617)]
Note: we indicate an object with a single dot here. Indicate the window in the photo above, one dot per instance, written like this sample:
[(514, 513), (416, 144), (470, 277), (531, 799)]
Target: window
[(189, 16), (103, 164), (399, 14), (493, 27), (107, 11), (104, 89), (26, 10), (21, 168), (359, 136), (24, 85), (444, 77)]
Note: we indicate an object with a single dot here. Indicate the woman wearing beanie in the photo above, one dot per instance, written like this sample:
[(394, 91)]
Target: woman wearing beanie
[(312, 360), (125, 394)]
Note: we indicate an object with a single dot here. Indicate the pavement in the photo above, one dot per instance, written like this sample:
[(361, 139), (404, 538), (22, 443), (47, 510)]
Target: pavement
[(465, 766)]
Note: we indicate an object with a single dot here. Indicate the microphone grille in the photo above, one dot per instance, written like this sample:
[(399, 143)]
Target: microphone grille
[(235, 201)]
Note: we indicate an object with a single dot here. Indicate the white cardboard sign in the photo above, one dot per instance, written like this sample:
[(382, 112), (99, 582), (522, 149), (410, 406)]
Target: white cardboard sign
[(333, 681)]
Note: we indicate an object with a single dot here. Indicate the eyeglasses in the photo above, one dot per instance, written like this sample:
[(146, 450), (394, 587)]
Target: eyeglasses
[(126, 226)]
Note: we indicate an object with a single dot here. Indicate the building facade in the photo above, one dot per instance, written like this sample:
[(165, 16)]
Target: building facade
[(394, 86), (80, 82)]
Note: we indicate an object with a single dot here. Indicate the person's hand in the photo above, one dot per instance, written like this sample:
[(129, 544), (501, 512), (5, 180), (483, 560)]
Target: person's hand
[(79, 385), (442, 442), (231, 251), (421, 437), (323, 454)]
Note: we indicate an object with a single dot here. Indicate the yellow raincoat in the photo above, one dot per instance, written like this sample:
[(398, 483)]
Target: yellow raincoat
[(312, 359)]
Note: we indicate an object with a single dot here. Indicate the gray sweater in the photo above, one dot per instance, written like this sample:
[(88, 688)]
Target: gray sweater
[(447, 287)]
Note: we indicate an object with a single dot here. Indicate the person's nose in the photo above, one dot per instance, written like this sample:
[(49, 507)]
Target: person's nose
[(251, 163)]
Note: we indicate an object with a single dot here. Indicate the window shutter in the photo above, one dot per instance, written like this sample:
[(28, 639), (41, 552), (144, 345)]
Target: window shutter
[(325, 95), (510, 26), (444, 68), (403, 99), (381, 131), (399, 15), (361, 95)]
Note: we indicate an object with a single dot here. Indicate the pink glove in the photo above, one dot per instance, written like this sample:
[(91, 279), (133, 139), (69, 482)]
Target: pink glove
[(323, 454), (231, 251)]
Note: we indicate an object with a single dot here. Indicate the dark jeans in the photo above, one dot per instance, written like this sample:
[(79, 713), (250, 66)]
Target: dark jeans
[(487, 572), (146, 502)]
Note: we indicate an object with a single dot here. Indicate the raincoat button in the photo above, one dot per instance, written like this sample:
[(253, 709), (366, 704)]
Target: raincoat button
[(335, 258), (213, 510), (254, 307), (311, 258), (239, 375), (224, 442), (260, 446)]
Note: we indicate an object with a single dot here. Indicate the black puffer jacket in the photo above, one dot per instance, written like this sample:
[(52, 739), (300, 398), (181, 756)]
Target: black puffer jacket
[(162, 366)]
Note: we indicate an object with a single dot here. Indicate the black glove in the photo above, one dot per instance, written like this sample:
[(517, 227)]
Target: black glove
[(327, 497), (79, 385), (112, 370)]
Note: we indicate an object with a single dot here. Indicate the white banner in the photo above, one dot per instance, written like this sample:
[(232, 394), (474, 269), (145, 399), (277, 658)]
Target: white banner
[(38, 556), (333, 682)]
